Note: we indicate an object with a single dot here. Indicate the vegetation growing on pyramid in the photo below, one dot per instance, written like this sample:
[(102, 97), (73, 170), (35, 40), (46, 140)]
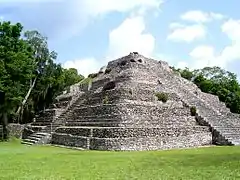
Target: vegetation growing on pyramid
[(162, 97), (193, 110)]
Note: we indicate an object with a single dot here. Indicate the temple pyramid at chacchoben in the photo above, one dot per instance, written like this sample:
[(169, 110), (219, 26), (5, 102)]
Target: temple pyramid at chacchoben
[(137, 103)]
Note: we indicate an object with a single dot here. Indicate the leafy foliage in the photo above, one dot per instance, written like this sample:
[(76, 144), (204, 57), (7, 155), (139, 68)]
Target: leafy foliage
[(108, 70), (162, 97), (193, 111), (27, 65), (105, 100)]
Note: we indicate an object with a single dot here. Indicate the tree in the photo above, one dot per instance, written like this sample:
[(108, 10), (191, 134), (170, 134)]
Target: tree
[(216, 81), (16, 68), (71, 76), (52, 78)]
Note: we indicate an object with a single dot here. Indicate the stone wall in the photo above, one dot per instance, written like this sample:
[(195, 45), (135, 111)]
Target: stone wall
[(152, 143), (135, 121), (142, 141), (117, 132), (16, 130), (70, 140), (125, 91)]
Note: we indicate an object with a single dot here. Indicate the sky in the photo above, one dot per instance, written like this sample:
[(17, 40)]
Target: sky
[(87, 34)]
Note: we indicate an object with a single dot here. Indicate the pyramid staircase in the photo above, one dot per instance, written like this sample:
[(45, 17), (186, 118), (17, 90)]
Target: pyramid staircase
[(40, 131)]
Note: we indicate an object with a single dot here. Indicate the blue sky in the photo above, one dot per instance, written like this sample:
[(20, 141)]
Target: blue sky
[(86, 34)]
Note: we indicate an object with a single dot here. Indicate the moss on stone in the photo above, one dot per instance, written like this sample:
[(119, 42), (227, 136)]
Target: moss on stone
[(193, 111), (162, 97)]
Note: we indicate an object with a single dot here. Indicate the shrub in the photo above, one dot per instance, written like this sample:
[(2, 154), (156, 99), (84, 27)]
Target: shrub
[(93, 75), (162, 97), (193, 111), (105, 100), (108, 70)]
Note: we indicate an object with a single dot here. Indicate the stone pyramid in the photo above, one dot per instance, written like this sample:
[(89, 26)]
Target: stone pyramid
[(137, 103)]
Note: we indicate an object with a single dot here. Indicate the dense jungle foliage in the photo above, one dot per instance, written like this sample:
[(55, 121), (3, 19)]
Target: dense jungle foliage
[(30, 78)]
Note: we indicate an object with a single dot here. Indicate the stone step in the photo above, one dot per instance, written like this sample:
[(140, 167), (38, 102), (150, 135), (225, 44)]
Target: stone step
[(27, 143), (41, 123), (125, 123), (228, 127), (120, 95), (30, 141), (115, 132), (37, 136), (36, 126), (130, 110), (42, 133), (34, 138), (215, 123), (138, 118), (236, 142), (232, 136), (230, 130)]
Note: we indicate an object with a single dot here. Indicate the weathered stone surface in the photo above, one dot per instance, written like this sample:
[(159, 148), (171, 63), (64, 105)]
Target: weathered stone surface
[(119, 110), (134, 143), (15, 130)]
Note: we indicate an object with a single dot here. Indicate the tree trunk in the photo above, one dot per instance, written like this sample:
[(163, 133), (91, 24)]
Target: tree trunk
[(26, 97), (5, 123)]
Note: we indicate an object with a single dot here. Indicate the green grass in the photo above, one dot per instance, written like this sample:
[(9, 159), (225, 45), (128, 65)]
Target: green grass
[(45, 162)]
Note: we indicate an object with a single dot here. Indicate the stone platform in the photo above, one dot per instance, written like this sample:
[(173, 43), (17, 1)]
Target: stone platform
[(115, 138)]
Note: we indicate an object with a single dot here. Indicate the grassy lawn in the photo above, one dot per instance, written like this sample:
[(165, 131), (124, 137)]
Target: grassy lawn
[(45, 162)]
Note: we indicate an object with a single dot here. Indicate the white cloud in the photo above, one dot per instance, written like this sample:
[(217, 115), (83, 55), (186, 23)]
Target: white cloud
[(232, 52), (130, 36), (206, 55), (217, 16), (232, 29), (196, 16), (186, 33), (175, 25), (84, 66), (202, 52), (68, 18), (97, 7), (127, 37), (200, 16), (182, 65)]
